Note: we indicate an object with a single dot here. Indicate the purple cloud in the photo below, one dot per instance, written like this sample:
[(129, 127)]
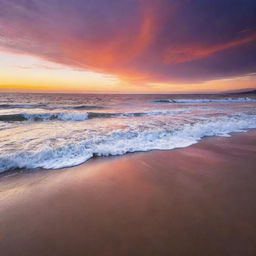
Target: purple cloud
[(170, 41)]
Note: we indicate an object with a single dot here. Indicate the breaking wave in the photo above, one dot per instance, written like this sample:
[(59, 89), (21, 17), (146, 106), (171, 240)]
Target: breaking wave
[(119, 142), (69, 116), (44, 117)]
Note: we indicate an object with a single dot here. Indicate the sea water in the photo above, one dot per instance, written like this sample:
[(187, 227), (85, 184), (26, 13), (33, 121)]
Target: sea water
[(60, 130)]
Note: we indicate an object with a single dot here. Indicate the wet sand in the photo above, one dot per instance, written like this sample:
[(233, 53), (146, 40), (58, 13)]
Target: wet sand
[(199, 200)]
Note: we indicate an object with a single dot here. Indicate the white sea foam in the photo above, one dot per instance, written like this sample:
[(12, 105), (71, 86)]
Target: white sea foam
[(77, 149), (81, 116), (55, 131), (36, 117)]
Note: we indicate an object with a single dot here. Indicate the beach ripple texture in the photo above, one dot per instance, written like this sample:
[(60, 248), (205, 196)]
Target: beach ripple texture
[(55, 131)]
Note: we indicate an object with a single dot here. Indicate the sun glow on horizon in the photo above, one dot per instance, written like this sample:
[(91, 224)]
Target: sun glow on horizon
[(24, 72), (19, 72)]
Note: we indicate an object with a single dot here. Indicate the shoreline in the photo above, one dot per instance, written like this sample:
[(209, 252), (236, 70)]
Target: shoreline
[(98, 158), (198, 200)]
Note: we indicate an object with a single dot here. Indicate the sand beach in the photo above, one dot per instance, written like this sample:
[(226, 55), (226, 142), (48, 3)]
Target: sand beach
[(198, 200)]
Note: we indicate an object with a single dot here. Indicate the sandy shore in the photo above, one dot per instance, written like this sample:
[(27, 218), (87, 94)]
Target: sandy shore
[(199, 200)]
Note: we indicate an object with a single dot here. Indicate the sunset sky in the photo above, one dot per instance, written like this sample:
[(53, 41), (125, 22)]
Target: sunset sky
[(127, 46)]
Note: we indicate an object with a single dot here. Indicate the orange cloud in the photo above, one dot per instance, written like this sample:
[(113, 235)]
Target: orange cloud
[(130, 40), (186, 54), (108, 55)]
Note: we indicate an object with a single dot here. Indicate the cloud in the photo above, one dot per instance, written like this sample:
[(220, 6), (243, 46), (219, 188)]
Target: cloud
[(183, 54), (137, 40)]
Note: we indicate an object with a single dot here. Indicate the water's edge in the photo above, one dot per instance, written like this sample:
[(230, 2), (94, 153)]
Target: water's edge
[(95, 157)]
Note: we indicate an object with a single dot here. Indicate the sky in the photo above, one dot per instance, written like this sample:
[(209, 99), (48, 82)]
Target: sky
[(127, 46)]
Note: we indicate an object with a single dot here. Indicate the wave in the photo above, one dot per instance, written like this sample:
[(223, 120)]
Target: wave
[(205, 100), (44, 117), (84, 107), (66, 116), (119, 142), (26, 106), (134, 114), (45, 106)]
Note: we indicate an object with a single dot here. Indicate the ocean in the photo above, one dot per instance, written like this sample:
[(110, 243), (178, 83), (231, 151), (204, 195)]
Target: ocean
[(52, 131)]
